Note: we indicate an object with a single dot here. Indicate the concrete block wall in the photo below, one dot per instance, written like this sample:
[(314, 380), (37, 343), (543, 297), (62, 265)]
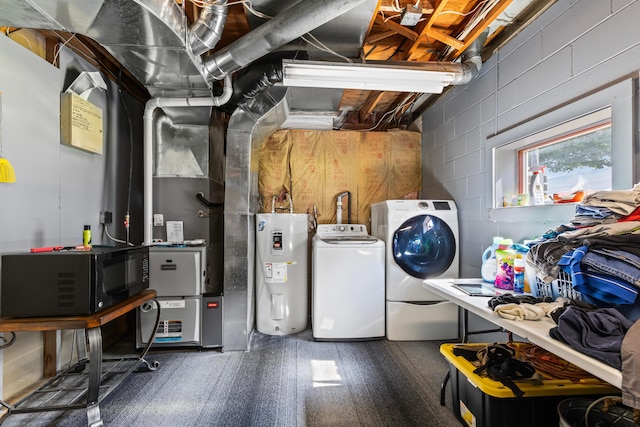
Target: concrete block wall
[(576, 48)]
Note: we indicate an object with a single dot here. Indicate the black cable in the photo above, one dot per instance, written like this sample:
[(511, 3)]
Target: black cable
[(9, 342), (202, 199), (151, 366)]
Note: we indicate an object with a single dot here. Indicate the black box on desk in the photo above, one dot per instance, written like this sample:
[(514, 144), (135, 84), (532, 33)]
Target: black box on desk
[(71, 282), (482, 402)]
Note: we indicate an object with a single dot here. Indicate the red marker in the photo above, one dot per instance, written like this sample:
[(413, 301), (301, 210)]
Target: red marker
[(47, 249)]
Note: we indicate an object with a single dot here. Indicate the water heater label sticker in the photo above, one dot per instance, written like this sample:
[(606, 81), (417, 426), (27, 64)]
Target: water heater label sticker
[(275, 272)]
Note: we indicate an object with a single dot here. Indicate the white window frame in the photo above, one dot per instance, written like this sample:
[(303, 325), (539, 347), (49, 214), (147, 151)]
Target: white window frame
[(616, 100)]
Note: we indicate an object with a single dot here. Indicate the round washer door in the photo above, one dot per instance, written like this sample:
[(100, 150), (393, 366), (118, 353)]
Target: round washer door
[(424, 246)]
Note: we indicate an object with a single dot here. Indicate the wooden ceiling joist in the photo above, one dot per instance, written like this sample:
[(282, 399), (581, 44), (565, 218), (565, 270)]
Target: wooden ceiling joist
[(370, 104), (444, 38), (409, 53), (479, 28), (427, 9), (375, 38), (400, 29)]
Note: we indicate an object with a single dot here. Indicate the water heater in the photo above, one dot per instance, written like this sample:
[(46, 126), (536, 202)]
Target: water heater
[(281, 273)]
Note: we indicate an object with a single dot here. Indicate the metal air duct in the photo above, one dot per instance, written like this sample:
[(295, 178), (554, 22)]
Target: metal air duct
[(287, 26), (206, 32)]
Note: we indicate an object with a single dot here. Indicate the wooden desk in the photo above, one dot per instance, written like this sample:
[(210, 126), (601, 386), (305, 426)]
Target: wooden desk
[(91, 325), (536, 331)]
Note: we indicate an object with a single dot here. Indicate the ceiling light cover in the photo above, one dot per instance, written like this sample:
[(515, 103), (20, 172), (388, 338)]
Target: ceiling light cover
[(409, 77)]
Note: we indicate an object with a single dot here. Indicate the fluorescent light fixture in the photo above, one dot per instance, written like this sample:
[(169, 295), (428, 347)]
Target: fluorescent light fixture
[(385, 76)]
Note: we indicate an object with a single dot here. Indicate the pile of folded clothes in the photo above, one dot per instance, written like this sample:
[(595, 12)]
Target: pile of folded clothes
[(600, 249), (523, 307)]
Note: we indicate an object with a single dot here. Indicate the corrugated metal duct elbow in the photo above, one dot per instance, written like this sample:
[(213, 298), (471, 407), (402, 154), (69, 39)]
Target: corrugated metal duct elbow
[(206, 32)]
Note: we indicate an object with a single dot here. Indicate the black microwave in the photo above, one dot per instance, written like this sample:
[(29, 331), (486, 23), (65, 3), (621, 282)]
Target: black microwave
[(71, 282)]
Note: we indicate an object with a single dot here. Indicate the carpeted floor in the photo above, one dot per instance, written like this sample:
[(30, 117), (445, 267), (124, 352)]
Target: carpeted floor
[(282, 381)]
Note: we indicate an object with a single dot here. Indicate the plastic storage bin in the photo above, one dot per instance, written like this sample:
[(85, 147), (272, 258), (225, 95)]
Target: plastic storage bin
[(482, 402), (561, 287)]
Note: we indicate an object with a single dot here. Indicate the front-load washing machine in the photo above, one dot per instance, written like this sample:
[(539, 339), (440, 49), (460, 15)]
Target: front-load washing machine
[(421, 242), (347, 284)]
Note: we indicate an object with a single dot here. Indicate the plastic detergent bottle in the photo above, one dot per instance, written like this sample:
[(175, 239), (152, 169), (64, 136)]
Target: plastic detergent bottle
[(521, 254), (536, 189), (518, 275), (488, 269), (504, 261)]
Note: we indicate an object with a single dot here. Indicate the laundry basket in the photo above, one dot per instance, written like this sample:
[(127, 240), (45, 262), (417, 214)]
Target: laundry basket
[(561, 287), (582, 412)]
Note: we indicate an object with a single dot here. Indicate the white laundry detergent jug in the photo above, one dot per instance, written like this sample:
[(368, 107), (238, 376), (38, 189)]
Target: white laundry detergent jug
[(489, 265)]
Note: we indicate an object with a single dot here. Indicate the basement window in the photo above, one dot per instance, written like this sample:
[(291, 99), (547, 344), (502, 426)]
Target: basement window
[(576, 157), (586, 145)]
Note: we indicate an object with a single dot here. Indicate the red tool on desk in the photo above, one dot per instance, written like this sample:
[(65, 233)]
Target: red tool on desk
[(60, 248), (47, 249)]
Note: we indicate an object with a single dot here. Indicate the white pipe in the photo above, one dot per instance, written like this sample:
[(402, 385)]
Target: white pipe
[(148, 119), (273, 203), (290, 203), (339, 206)]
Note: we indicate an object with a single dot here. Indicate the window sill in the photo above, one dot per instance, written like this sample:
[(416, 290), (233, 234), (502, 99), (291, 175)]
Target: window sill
[(560, 213)]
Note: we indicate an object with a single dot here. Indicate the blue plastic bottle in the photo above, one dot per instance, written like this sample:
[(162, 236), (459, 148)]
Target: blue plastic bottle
[(518, 275), (489, 266)]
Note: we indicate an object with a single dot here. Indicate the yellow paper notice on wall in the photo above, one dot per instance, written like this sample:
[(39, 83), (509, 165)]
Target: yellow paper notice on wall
[(80, 123)]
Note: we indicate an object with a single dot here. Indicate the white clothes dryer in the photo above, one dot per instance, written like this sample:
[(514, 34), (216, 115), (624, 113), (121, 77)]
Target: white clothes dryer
[(421, 242), (347, 284)]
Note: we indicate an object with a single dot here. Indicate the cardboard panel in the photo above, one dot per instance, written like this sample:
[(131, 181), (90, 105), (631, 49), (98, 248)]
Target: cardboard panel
[(80, 123)]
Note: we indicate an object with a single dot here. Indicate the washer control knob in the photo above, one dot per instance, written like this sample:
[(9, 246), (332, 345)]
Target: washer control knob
[(342, 228)]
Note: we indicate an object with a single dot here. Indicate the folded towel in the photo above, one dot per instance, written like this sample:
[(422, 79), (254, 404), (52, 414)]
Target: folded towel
[(549, 307), (520, 311), (533, 312)]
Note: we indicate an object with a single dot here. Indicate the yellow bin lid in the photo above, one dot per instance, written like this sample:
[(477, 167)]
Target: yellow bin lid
[(549, 387)]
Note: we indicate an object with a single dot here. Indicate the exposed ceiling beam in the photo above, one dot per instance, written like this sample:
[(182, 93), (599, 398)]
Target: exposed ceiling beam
[(479, 28), (370, 104), (427, 8), (400, 29), (444, 38), (424, 30), (373, 39)]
